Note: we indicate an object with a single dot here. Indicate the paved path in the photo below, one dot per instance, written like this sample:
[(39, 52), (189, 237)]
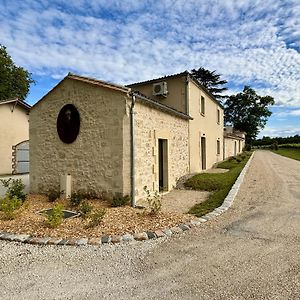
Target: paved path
[(250, 252)]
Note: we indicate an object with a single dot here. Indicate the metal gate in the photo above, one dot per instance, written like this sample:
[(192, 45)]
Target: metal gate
[(21, 158)]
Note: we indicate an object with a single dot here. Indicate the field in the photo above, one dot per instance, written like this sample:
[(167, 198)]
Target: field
[(293, 153)]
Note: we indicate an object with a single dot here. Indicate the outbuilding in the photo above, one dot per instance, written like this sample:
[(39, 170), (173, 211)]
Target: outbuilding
[(105, 139), (14, 136)]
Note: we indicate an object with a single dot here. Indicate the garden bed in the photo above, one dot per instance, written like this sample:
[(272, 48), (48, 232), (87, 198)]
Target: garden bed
[(116, 221)]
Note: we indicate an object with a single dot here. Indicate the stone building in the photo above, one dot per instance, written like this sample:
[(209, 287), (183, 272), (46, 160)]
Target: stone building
[(183, 92), (114, 139), (14, 135), (108, 139)]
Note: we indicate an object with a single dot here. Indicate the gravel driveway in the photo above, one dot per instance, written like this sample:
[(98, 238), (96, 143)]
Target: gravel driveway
[(250, 252)]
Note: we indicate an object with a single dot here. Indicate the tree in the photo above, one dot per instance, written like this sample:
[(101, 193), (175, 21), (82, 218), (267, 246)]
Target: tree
[(211, 80), (248, 112), (14, 81)]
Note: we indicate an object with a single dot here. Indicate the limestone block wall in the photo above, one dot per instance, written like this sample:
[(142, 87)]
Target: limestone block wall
[(95, 158), (151, 125)]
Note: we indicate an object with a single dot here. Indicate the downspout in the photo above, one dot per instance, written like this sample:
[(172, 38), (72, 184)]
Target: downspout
[(187, 100), (132, 152)]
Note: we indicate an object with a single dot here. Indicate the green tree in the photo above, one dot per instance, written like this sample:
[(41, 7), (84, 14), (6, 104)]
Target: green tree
[(248, 112), (211, 80), (14, 81)]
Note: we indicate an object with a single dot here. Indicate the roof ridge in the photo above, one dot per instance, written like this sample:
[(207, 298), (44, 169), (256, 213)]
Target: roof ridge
[(97, 81)]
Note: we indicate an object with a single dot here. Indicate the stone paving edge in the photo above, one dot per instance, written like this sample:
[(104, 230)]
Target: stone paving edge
[(127, 237)]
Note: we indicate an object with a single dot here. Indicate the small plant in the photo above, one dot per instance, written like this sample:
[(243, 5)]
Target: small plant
[(96, 217), (76, 199), (53, 195), (55, 216), (9, 205), (119, 201), (154, 201), (15, 188), (85, 209)]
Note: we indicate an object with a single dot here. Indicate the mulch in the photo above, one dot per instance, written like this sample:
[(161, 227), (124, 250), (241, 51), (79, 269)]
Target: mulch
[(117, 221)]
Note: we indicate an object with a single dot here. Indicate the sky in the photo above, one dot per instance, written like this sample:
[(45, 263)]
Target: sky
[(248, 42)]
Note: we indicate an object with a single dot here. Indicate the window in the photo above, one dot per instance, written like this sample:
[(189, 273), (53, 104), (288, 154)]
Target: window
[(218, 147), (218, 116), (202, 105)]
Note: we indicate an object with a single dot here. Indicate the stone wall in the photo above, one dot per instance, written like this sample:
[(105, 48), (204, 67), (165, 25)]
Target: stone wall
[(95, 158), (150, 125)]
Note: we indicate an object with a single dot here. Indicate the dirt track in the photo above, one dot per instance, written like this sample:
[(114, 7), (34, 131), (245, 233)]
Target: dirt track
[(250, 252)]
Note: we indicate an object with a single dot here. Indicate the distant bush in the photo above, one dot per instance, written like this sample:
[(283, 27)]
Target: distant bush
[(247, 147), (290, 146), (9, 205), (15, 188)]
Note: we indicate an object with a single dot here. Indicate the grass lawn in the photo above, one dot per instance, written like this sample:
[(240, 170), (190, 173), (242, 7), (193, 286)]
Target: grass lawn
[(217, 183), (289, 152)]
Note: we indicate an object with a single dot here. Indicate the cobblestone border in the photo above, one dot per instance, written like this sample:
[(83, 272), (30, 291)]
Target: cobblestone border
[(142, 236)]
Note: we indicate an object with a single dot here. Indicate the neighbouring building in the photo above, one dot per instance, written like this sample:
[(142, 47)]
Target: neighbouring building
[(14, 136), (234, 142), (184, 93)]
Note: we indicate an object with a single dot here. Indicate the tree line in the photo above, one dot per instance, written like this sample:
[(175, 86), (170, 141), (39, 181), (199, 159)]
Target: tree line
[(267, 141)]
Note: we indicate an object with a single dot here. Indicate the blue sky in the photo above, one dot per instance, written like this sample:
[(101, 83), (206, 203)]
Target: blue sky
[(249, 42)]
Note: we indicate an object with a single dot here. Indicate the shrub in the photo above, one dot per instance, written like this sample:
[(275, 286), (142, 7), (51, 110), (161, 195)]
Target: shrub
[(96, 217), (247, 147), (53, 195), (9, 205), (76, 198), (119, 201), (85, 209), (154, 201), (15, 188), (55, 217)]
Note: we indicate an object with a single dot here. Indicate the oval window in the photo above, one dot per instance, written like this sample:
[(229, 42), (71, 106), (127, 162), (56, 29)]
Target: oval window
[(68, 123)]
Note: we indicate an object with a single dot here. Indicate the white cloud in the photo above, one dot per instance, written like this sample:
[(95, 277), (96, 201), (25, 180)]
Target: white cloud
[(248, 41), (281, 131)]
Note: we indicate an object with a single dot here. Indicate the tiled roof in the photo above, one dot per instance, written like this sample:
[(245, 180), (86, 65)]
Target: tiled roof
[(159, 79), (94, 81), (18, 102)]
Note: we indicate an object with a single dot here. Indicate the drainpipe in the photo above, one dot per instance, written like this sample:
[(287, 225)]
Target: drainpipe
[(187, 100), (132, 152)]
